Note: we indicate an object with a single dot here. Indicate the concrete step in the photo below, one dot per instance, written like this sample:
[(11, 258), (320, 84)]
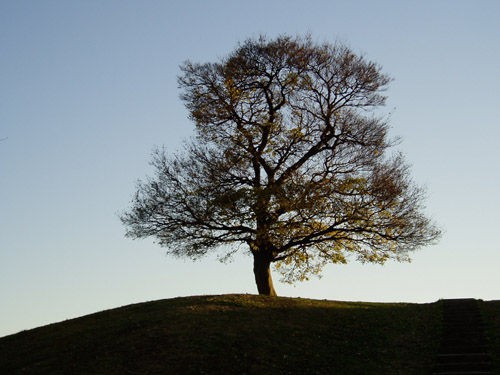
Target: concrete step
[(457, 349), (463, 373), (461, 357), (472, 342), (463, 344), (464, 366)]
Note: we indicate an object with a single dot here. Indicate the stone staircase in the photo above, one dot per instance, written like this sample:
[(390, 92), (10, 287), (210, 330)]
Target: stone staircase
[(463, 346)]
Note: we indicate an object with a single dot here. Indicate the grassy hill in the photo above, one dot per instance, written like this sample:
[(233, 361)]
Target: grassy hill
[(236, 334)]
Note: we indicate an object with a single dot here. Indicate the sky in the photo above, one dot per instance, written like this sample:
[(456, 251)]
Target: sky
[(88, 89)]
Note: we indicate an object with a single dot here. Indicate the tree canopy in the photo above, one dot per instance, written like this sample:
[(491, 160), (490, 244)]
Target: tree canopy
[(290, 158)]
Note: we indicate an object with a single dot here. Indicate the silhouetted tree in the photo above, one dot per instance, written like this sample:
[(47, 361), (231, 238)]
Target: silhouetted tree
[(289, 159)]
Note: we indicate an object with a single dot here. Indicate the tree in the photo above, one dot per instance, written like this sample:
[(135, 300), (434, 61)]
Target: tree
[(289, 159)]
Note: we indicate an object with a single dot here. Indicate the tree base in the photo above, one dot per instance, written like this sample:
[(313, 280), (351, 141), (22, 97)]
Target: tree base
[(262, 272)]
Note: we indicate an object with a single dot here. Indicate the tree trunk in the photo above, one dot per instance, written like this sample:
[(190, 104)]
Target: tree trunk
[(262, 272)]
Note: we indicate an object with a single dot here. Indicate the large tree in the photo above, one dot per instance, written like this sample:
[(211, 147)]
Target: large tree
[(290, 159)]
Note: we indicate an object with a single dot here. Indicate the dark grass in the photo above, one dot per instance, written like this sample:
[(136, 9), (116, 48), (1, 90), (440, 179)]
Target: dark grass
[(234, 334)]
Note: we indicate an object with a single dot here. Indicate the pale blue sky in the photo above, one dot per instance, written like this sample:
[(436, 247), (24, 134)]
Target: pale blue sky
[(88, 88)]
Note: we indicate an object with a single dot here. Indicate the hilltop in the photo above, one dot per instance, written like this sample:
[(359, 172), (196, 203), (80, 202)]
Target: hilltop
[(236, 334)]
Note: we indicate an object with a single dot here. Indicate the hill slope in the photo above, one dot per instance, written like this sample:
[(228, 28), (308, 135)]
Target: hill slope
[(233, 334)]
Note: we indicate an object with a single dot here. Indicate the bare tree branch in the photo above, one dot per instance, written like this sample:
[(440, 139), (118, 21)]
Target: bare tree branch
[(290, 159)]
